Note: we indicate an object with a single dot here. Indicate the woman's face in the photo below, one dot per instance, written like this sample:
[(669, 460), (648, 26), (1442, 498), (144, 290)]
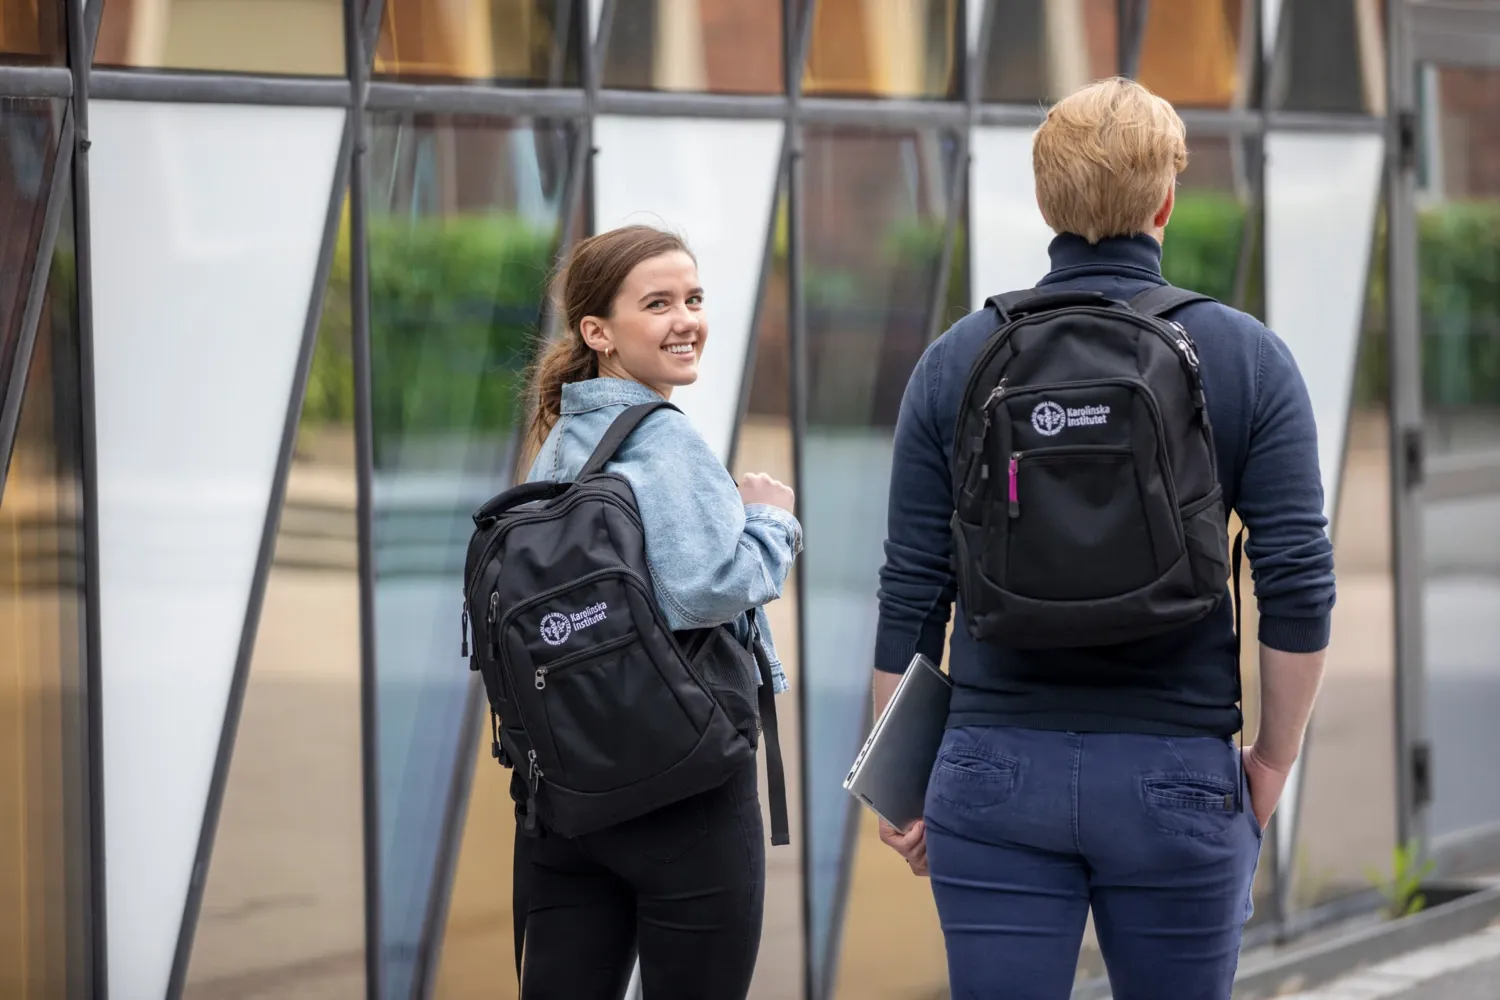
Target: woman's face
[(657, 328)]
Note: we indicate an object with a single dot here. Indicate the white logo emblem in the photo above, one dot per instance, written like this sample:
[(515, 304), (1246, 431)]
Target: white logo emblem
[(1048, 418), (556, 628)]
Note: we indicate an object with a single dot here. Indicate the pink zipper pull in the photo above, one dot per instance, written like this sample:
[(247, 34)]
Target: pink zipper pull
[(1015, 503)]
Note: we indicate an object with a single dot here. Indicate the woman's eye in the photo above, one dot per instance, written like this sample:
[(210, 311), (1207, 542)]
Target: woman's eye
[(695, 300), (654, 303)]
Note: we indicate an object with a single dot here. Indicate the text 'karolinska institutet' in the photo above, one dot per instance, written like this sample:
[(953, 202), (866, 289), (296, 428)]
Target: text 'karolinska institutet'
[(270, 272)]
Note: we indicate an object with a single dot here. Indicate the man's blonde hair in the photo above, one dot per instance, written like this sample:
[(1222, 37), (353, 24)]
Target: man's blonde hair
[(1105, 158)]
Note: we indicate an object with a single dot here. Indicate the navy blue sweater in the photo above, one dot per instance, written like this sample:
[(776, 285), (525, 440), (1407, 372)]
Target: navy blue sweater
[(1181, 683)]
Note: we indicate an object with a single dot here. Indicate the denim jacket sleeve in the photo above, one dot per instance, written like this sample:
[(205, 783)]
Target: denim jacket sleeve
[(712, 556)]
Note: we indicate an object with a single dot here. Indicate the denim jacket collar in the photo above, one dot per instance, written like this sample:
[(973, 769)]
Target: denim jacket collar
[(595, 393)]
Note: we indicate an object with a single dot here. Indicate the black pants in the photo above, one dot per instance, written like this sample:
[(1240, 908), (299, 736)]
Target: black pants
[(684, 885)]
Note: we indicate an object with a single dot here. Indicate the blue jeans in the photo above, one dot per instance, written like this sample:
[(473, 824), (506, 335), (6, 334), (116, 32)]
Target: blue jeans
[(1027, 829)]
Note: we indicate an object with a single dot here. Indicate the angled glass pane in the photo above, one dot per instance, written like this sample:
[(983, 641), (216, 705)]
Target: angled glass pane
[(1330, 56), (33, 32), (1199, 53), (225, 36), (284, 897), (876, 956), (45, 811), (464, 226), (1346, 823), (1459, 286), (1041, 50), (1207, 246), (884, 48), (713, 46), (29, 132), (873, 202), (517, 43), (763, 443), (200, 214)]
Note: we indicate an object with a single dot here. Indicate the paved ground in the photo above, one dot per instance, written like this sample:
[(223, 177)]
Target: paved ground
[(1464, 969)]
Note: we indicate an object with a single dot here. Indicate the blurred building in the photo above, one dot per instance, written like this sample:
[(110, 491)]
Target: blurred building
[(271, 272)]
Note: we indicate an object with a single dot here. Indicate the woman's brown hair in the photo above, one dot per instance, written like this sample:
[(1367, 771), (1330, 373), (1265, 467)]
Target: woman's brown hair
[(585, 286)]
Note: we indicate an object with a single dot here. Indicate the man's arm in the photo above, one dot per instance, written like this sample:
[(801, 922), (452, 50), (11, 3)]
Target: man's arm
[(916, 580), (1291, 557)]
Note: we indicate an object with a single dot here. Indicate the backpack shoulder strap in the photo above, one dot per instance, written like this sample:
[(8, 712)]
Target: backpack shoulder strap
[(1163, 299), (618, 431)]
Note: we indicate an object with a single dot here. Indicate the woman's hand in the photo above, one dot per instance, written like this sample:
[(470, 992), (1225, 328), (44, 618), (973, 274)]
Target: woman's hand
[(757, 487), (911, 845)]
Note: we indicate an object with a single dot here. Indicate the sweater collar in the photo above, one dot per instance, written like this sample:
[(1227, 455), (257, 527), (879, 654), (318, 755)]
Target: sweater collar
[(1073, 256)]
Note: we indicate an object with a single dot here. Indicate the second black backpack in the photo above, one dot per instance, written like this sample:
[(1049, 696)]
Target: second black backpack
[(1088, 506), (604, 711)]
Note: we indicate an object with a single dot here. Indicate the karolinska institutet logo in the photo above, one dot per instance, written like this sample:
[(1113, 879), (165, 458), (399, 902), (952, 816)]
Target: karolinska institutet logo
[(1051, 418), (556, 627)]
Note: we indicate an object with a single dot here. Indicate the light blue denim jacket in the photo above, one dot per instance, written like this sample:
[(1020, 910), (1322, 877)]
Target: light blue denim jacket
[(712, 556)]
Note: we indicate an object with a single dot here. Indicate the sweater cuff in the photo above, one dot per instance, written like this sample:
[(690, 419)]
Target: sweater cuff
[(1296, 635), (894, 651)]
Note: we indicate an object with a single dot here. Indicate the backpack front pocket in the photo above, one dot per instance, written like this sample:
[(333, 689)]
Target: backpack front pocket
[(1078, 526)]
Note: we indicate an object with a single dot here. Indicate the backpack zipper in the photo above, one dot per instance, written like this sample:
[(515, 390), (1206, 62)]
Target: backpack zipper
[(1015, 501)]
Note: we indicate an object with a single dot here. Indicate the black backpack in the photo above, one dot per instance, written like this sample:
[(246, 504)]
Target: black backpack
[(605, 713), (1088, 506)]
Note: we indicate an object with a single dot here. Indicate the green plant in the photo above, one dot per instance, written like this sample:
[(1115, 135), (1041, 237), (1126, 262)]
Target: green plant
[(1402, 889)]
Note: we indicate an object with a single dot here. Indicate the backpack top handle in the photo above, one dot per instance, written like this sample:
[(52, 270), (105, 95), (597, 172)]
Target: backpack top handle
[(1013, 305)]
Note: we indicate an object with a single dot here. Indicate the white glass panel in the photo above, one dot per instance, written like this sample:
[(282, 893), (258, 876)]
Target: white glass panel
[(713, 183), (1007, 236), (1322, 194), (206, 227)]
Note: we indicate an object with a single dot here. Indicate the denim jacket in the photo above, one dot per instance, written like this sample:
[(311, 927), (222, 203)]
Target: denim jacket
[(712, 556)]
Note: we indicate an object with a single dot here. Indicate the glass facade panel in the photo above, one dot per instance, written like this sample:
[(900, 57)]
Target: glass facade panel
[(717, 46), (512, 42), (873, 203), (284, 898), (1207, 246), (1347, 812), (45, 811), (884, 48), (1199, 53), (28, 150), (1041, 50), (764, 444), (1330, 56), (464, 227), (292, 37), (1459, 286), (33, 32)]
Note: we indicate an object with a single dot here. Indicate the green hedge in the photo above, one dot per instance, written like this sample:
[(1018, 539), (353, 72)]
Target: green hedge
[(455, 302)]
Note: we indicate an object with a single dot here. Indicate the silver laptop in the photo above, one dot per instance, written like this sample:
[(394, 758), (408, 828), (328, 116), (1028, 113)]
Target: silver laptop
[(890, 774)]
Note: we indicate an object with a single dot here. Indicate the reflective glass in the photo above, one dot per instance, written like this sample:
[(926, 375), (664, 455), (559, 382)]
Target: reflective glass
[(874, 204), (763, 443), (1458, 269), (1041, 50), (1347, 809), (28, 149), (1330, 56), (717, 46), (1199, 53), (284, 896), (228, 36), (884, 48), (45, 916), (464, 226), (33, 32), (1207, 247), (512, 42)]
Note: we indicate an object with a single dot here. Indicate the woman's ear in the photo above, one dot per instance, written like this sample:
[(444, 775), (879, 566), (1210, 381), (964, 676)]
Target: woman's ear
[(596, 335)]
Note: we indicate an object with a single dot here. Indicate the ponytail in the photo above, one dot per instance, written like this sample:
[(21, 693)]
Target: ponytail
[(568, 359)]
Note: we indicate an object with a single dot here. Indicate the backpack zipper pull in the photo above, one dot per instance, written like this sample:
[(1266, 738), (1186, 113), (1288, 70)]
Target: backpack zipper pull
[(463, 628), (491, 617), (1015, 502), (996, 394), (533, 778), (541, 678)]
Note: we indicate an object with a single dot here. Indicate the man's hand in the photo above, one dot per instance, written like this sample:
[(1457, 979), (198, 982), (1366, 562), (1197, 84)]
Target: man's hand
[(1267, 780), (911, 845)]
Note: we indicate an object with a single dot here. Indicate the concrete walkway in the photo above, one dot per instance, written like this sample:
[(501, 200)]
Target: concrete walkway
[(1466, 968)]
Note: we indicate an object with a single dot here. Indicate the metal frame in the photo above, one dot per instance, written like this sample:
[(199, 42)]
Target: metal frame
[(1443, 22), (1446, 34)]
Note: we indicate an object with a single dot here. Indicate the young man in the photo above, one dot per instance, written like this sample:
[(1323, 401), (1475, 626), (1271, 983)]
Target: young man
[(1104, 775)]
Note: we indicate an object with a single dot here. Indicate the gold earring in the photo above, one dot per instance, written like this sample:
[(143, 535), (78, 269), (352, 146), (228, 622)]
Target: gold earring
[(609, 352)]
